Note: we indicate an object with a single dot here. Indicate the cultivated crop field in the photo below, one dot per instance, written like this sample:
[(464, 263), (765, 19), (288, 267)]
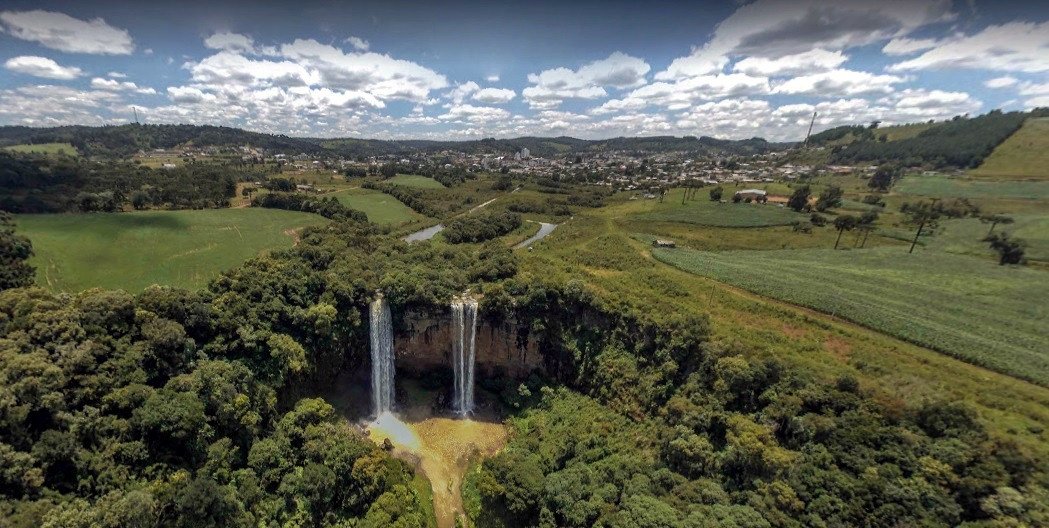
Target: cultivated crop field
[(947, 187), (131, 251), (380, 208), (964, 306), (702, 211), (45, 148), (412, 180)]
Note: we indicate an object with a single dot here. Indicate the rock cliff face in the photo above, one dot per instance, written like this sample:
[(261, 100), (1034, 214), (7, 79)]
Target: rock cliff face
[(423, 342)]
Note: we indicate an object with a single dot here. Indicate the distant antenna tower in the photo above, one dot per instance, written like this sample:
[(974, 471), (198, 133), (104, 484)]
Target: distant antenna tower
[(811, 123), (135, 110)]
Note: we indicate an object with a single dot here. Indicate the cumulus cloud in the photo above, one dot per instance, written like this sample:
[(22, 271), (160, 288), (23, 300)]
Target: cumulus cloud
[(550, 87), (188, 94), (380, 75), (839, 83), (230, 42), (811, 61), (920, 103), (1001, 82), (776, 28), (494, 95), (1015, 46), (120, 86), (358, 43), (50, 105), (462, 91), (42, 67), (467, 112), (687, 92), (65, 33)]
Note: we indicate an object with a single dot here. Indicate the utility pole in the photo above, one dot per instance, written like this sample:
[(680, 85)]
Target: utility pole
[(811, 123)]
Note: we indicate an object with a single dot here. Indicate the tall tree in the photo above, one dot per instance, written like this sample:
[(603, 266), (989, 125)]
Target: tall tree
[(15, 251), (866, 225), (926, 214), (885, 176), (799, 200), (994, 220), (829, 198), (844, 223)]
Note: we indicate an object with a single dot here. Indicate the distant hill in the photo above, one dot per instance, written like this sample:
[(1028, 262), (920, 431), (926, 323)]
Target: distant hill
[(125, 140)]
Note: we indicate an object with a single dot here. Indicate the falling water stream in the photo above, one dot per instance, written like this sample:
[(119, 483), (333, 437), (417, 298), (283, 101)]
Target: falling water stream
[(464, 334), (382, 357)]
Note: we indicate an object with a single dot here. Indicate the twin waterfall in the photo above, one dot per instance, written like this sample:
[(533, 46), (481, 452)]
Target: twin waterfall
[(382, 357), (464, 333)]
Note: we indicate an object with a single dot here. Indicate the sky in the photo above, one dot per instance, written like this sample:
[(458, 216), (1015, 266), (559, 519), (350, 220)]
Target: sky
[(468, 70)]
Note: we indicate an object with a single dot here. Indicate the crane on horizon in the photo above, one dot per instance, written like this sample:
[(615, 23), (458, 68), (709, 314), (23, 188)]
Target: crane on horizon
[(811, 123)]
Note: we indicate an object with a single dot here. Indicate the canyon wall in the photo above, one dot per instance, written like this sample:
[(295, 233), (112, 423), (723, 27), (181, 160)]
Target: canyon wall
[(423, 342)]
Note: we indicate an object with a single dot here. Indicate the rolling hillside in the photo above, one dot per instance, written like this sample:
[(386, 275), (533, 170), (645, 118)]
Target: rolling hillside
[(125, 140), (1024, 155)]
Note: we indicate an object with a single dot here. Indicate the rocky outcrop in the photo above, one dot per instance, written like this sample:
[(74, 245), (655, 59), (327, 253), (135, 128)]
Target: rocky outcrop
[(423, 342)]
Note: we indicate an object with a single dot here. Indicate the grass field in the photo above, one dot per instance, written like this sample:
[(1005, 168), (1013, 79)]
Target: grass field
[(380, 208), (702, 211), (1025, 154), (131, 251), (969, 308), (966, 235), (411, 180), (45, 148), (947, 187)]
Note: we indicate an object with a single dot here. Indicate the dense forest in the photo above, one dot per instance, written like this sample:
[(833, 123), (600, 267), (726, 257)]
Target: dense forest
[(181, 408), (962, 142), (31, 183)]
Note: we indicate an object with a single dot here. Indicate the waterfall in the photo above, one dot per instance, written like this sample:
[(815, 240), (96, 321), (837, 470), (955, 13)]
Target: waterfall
[(464, 333), (382, 356)]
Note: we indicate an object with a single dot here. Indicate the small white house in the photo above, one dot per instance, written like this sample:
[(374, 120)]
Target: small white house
[(756, 195)]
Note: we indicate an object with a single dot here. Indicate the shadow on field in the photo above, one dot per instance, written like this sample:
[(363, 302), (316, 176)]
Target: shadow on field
[(156, 221)]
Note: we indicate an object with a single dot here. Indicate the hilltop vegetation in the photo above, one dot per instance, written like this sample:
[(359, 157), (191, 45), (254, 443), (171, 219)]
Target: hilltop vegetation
[(962, 142)]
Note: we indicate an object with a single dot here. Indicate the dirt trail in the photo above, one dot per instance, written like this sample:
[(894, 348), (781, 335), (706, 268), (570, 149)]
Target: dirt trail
[(295, 235)]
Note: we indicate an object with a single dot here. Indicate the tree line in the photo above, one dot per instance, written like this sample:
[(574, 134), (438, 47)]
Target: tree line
[(32, 183)]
